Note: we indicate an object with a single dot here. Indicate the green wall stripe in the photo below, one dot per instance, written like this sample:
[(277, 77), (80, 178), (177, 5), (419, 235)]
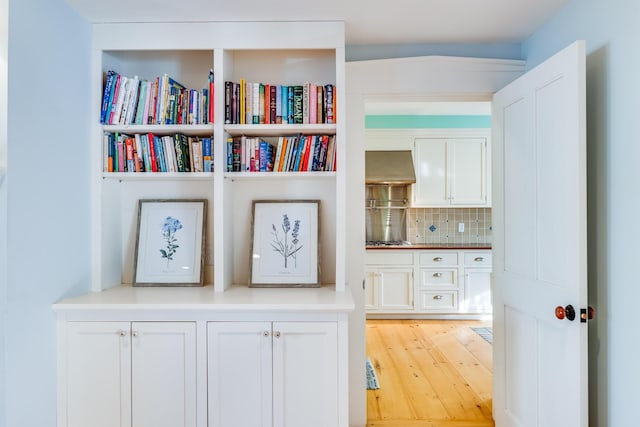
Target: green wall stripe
[(427, 122)]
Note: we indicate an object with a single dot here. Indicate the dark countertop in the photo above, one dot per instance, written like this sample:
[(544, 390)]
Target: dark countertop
[(419, 246)]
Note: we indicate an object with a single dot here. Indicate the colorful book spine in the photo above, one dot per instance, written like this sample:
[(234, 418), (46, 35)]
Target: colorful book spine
[(207, 156)]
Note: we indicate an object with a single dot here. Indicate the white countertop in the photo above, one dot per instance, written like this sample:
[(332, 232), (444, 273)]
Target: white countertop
[(234, 299)]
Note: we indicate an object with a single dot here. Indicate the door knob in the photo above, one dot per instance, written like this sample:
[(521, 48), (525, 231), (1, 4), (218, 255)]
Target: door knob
[(567, 312), (587, 314)]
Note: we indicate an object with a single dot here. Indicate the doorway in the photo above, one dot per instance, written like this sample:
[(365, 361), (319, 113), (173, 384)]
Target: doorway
[(435, 370)]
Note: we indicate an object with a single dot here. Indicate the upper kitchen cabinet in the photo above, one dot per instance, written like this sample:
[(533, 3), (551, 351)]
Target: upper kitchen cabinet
[(452, 171)]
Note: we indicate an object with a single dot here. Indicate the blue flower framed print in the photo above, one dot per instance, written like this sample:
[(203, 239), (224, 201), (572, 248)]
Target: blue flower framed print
[(284, 247), (170, 242)]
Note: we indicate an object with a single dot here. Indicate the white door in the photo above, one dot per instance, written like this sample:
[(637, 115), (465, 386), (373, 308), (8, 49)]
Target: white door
[(539, 163), (163, 374)]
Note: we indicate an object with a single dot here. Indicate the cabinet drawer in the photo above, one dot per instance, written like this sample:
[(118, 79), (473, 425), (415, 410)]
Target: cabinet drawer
[(389, 257), (439, 258), (438, 278), (443, 301), (477, 259)]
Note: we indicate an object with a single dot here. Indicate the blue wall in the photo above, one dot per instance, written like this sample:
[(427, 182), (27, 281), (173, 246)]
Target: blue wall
[(48, 203), (427, 122), (612, 31)]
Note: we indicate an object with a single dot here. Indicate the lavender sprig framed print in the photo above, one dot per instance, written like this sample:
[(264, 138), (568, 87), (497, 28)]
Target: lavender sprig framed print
[(284, 246), (170, 242)]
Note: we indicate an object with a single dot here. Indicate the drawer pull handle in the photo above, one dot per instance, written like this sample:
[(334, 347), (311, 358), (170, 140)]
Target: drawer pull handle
[(438, 259), (437, 274), (478, 259), (437, 297)]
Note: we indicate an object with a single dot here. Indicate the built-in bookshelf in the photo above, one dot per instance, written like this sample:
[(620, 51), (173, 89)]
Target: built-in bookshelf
[(192, 126)]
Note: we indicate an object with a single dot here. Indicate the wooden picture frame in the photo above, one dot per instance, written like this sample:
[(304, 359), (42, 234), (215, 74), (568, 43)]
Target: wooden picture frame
[(170, 242), (285, 243)]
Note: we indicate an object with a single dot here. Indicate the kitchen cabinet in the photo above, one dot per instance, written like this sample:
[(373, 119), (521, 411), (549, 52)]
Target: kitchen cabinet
[(272, 374), (116, 373), (477, 278), (449, 282), (389, 281), (451, 172), (438, 289)]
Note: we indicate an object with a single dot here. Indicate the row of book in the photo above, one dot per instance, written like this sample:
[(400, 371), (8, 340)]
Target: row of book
[(152, 153), (299, 153), (162, 101), (260, 103)]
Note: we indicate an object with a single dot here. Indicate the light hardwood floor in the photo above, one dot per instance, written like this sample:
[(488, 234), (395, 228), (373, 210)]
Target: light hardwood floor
[(432, 373)]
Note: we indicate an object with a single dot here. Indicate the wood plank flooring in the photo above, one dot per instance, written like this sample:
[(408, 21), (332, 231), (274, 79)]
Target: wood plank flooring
[(432, 373)]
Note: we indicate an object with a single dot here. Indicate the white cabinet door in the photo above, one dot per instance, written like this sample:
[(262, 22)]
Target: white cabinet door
[(451, 171), (239, 374), (163, 374), (371, 289), (468, 171), (477, 290), (305, 374), (430, 159), (395, 288), (97, 370)]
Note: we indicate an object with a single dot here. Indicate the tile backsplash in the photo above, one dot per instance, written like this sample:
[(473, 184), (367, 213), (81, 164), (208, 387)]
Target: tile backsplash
[(440, 225)]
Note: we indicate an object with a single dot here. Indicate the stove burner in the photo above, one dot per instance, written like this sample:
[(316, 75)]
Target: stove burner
[(387, 243)]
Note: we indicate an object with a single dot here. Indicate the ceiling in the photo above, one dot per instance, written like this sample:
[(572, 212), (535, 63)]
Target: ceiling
[(367, 21)]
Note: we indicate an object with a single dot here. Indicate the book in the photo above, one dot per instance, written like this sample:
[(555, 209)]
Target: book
[(329, 104), (284, 103), (261, 103), (267, 103), (255, 108), (110, 79), (272, 104), (242, 114), (278, 104), (290, 103), (248, 103), (207, 156), (283, 154), (228, 93), (211, 98), (305, 103), (313, 103), (297, 104)]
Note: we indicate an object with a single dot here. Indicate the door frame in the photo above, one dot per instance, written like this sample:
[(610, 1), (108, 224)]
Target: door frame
[(430, 78)]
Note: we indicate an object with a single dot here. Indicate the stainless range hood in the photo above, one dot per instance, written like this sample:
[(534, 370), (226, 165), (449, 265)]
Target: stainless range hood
[(389, 167)]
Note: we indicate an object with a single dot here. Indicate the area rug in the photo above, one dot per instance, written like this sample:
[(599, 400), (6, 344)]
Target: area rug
[(486, 333), (372, 379)]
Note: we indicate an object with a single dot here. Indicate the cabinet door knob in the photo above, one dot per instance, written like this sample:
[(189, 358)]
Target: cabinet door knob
[(437, 274), (122, 333), (479, 259), (276, 334), (437, 297), (134, 334), (265, 333), (438, 259)]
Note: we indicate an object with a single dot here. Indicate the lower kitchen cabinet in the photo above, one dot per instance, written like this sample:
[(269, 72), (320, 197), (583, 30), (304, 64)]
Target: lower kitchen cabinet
[(448, 282), (121, 374), (272, 374)]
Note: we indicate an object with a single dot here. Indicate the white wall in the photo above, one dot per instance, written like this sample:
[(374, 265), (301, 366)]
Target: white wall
[(427, 78), (611, 32), (47, 199)]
